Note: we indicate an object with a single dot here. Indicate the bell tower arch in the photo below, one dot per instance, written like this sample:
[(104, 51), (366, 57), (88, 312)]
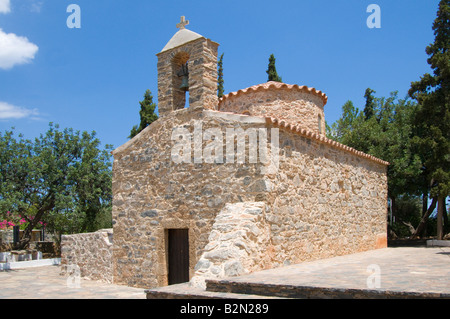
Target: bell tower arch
[(180, 79), (188, 62)]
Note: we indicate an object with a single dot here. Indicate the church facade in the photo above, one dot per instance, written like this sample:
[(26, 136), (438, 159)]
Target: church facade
[(231, 186)]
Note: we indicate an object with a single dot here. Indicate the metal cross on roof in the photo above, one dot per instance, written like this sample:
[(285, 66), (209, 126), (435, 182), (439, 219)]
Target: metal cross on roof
[(183, 23)]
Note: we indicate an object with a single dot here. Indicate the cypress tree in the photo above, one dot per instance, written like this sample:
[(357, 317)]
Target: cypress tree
[(220, 81), (431, 123), (147, 114), (272, 70), (369, 109)]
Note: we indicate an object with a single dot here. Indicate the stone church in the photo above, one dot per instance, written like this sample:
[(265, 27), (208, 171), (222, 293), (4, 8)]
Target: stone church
[(224, 187)]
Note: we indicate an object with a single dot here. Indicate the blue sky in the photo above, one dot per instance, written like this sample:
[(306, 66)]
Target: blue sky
[(92, 78)]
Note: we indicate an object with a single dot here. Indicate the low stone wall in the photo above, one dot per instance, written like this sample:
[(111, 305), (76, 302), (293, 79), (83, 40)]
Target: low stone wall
[(91, 252), (6, 236)]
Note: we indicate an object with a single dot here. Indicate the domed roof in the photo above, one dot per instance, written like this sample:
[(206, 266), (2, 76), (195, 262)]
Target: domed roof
[(181, 37), (276, 85)]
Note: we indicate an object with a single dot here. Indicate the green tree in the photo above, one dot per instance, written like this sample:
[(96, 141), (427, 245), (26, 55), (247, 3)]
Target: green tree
[(220, 81), (147, 114), (432, 119), (342, 129), (391, 140), (370, 104), (60, 175), (272, 70), (386, 134)]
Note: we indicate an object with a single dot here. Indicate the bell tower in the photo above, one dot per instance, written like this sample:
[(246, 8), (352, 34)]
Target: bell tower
[(188, 63)]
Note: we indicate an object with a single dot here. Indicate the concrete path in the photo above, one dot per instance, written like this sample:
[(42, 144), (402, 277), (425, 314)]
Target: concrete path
[(46, 283)]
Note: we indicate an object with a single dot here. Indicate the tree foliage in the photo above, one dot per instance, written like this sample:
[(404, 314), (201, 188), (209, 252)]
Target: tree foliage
[(432, 119), (370, 104), (272, 70), (147, 114), (413, 135), (61, 178), (386, 134), (220, 81)]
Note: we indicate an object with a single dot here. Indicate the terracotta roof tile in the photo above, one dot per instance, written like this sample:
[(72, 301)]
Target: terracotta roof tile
[(297, 129), (321, 138), (278, 85)]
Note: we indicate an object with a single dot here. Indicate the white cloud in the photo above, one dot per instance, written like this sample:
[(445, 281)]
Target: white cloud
[(5, 6), (15, 50), (8, 111)]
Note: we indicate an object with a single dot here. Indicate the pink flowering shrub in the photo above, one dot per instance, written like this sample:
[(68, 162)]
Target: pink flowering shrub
[(12, 221), (7, 223)]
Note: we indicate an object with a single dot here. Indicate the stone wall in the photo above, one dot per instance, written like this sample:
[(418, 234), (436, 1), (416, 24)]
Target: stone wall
[(292, 103), (6, 236), (152, 194), (201, 56), (237, 243), (323, 200), (91, 252)]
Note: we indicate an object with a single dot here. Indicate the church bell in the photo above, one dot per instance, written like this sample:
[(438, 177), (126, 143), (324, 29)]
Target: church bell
[(184, 83), (184, 74)]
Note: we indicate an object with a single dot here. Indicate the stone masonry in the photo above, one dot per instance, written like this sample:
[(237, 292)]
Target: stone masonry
[(293, 196), (236, 245), (90, 252), (324, 199), (292, 103), (178, 196), (201, 56)]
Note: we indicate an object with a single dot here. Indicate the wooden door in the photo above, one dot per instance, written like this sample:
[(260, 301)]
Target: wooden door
[(178, 251)]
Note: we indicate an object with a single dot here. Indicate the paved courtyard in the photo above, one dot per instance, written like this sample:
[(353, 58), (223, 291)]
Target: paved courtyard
[(46, 283), (403, 269), (400, 269)]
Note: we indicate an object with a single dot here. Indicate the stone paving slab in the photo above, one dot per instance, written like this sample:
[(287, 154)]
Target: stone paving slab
[(402, 271), (422, 270), (186, 291), (405, 272), (47, 283)]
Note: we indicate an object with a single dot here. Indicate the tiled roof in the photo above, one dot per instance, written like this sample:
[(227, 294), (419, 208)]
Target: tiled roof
[(277, 85), (296, 129), (321, 138)]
